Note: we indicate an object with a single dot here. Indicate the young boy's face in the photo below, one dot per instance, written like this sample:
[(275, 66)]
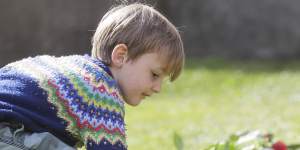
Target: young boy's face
[(141, 78)]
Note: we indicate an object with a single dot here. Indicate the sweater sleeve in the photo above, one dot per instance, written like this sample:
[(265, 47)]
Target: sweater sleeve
[(21, 99)]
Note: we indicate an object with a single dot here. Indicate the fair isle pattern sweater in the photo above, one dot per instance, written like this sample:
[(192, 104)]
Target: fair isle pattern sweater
[(74, 97)]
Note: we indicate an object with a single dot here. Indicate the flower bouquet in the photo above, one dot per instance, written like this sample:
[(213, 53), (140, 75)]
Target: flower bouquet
[(254, 140)]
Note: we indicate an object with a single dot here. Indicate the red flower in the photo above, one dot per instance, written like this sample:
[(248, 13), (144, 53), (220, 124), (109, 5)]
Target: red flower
[(279, 145)]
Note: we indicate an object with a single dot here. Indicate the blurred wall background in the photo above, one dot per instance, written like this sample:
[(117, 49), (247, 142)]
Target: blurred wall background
[(235, 29)]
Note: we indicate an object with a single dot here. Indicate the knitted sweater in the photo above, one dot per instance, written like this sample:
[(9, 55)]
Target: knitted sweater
[(74, 97)]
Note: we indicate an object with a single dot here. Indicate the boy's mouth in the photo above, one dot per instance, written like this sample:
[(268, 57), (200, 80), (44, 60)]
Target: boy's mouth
[(145, 95)]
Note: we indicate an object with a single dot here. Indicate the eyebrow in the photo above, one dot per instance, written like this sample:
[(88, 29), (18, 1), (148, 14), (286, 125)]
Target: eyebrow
[(161, 71)]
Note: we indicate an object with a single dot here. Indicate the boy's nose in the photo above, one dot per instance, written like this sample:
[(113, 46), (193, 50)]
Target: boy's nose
[(157, 87)]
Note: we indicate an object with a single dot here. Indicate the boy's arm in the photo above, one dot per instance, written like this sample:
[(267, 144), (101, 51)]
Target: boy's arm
[(97, 120)]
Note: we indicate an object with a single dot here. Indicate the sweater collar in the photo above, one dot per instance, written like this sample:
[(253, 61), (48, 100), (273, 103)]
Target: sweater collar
[(100, 63)]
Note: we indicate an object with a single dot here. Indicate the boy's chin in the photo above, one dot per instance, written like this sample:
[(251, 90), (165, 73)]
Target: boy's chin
[(133, 102)]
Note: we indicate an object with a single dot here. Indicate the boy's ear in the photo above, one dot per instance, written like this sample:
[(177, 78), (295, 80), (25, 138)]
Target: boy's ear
[(119, 55)]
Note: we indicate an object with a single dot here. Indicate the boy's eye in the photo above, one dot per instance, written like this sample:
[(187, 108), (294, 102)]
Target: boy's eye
[(155, 76)]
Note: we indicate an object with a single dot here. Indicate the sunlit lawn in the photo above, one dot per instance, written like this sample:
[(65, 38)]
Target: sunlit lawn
[(214, 98)]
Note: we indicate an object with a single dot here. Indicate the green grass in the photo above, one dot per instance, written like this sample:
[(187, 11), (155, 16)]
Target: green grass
[(214, 98)]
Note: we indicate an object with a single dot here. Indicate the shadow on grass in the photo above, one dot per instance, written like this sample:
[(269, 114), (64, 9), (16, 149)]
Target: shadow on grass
[(258, 66)]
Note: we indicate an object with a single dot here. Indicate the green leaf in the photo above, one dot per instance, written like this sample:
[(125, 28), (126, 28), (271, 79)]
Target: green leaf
[(178, 141)]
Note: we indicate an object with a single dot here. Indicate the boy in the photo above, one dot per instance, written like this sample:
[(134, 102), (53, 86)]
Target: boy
[(72, 101)]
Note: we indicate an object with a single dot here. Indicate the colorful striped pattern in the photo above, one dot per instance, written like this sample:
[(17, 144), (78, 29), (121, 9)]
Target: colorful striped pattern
[(84, 93)]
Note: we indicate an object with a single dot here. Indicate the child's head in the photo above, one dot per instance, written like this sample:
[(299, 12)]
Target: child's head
[(141, 47)]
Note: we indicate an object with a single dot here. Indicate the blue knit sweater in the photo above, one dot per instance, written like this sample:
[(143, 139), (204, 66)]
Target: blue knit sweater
[(74, 97)]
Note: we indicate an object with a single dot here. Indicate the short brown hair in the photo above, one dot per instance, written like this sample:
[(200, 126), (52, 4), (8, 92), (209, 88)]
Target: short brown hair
[(143, 29)]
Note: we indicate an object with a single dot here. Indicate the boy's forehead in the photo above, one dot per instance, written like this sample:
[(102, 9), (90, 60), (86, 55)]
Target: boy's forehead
[(156, 61)]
